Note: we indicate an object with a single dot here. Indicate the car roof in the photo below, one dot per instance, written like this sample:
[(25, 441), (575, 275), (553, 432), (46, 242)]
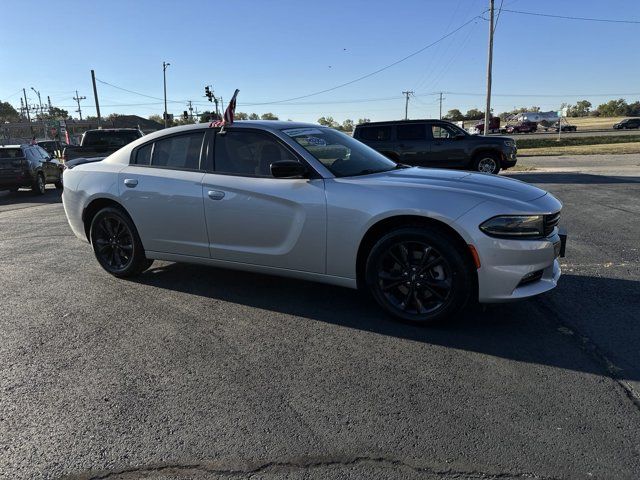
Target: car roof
[(397, 122), (261, 124)]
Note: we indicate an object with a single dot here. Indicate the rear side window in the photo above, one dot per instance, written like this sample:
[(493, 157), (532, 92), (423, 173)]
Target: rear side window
[(143, 155), (180, 151), (11, 153), (375, 133), (415, 131)]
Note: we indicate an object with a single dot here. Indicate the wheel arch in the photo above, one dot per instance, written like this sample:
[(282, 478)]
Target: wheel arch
[(94, 207), (386, 225)]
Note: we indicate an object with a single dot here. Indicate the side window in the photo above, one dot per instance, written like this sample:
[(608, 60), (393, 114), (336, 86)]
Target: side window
[(248, 153), (181, 151), (143, 155), (442, 131), (413, 131), (381, 133)]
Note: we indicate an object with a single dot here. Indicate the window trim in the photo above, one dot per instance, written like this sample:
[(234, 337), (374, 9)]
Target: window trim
[(134, 152)]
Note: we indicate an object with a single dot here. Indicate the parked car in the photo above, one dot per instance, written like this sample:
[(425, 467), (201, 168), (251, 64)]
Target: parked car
[(494, 126), (309, 202), (28, 166), (522, 127), (565, 127), (437, 143), (101, 142), (627, 123), (53, 147)]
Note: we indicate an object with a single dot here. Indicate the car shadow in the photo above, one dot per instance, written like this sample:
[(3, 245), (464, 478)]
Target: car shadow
[(25, 196), (523, 331), (571, 178)]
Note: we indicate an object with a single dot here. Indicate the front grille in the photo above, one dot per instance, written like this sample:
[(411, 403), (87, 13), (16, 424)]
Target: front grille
[(550, 222)]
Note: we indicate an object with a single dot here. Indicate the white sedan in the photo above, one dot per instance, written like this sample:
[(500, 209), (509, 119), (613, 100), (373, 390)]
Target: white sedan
[(304, 201)]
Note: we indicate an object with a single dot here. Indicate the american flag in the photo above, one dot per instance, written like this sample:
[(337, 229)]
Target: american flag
[(228, 113)]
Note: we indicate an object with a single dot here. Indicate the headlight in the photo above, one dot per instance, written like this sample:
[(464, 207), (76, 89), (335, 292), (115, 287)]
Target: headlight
[(510, 143), (509, 226)]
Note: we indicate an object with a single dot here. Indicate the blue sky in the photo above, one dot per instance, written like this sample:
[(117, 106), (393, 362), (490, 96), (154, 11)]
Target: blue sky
[(273, 50)]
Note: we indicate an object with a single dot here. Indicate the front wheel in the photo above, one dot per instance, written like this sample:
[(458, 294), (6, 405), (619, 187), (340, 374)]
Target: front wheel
[(487, 163), (418, 275), (39, 185), (116, 243)]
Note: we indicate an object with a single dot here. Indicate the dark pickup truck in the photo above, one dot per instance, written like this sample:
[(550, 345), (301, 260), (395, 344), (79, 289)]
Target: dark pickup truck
[(101, 143), (436, 143)]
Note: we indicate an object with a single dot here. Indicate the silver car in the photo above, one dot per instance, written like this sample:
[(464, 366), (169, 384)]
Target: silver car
[(309, 202)]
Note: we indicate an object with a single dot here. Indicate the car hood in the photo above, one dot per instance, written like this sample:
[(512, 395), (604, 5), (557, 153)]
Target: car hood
[(481, 184)]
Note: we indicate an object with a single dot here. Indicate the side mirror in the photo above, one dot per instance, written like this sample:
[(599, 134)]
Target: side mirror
[(287, 169)]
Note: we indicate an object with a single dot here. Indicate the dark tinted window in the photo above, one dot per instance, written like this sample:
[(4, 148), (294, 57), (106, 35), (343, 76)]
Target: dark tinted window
[(107, 138), (375, 133), (248, 153), (143, 155), (181, 151), (11, 153), (414, 131)]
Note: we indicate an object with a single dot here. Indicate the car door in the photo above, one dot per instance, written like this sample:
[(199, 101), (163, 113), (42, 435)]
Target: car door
[(412, 144), (162, 191), (256, 219), (448, 146)]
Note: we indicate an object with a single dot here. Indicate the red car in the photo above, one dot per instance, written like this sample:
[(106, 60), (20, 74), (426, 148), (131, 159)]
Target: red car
[(522, 127)]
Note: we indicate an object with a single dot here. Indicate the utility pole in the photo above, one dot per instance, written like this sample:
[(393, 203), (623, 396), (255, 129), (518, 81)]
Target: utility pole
[(487, 112), (44, 128), (26, 108), (77, 98), (440, 105), (164, 77), (190, 110), (406, 103), (95, 95), (49, 102)]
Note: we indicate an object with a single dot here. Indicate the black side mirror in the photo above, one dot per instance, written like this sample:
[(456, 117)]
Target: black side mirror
[(287, 169)]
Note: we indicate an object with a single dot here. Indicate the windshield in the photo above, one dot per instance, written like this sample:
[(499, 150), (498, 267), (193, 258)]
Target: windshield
[(341, 154)]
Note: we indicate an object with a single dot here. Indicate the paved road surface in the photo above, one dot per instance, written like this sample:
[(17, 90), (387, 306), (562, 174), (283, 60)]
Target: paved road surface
[(201, 373)]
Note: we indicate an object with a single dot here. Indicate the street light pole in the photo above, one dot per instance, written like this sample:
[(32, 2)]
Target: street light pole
[(487, 112), (44, 129), (164, 76)]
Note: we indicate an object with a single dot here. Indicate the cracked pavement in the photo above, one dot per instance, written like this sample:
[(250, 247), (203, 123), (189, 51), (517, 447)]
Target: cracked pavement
[(199, 373)]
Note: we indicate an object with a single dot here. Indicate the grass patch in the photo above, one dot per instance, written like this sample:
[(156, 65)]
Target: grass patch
[(527, 143), (602, 149)]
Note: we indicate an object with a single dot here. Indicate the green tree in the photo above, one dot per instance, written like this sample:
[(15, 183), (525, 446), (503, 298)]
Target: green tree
[(156, 118), (363, 120), (347, 125), (241, 116), (8, 113), (254, 116), (328, 122), (613, 108), (208, 117), (268, 116), (474, 114), (56, 113), (454, 115), (633, 110)]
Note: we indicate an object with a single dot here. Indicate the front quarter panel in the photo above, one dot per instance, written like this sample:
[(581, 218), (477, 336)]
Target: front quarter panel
[(354, 206)]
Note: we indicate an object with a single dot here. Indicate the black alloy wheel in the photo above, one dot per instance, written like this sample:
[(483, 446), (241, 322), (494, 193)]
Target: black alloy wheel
[(417, 275), (116, 243)]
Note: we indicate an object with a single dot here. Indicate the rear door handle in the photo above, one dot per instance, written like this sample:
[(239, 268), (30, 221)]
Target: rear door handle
[(130, 182), (215, 194)]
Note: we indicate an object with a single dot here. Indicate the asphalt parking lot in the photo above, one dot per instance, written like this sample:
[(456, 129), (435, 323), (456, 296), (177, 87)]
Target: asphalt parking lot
[(201, 373)]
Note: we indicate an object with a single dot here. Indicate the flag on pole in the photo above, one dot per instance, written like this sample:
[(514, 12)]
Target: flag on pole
[(228, 113)]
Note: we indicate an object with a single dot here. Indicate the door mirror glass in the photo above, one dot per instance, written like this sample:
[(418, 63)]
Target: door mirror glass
[(287, 169)]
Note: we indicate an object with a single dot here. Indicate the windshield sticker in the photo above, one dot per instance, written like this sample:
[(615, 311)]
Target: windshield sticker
[(320, 142), (296, 132)]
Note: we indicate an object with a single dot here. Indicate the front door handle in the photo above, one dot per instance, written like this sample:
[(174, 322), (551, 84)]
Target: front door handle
[(130, 182), (215, 194)]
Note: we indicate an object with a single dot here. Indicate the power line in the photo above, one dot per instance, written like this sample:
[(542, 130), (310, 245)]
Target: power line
[(137, 93), (586, 19), (375, 72)]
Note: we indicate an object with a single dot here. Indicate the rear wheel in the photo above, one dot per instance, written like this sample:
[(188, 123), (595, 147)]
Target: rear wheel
[(418, 275), (39, 186), (59, 184), (487, 163), (116, 243)]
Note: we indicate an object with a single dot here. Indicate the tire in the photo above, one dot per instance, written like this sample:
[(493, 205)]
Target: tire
[(59, 185), (487, 163), (418, 275), (116, 243), (39, 186)]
